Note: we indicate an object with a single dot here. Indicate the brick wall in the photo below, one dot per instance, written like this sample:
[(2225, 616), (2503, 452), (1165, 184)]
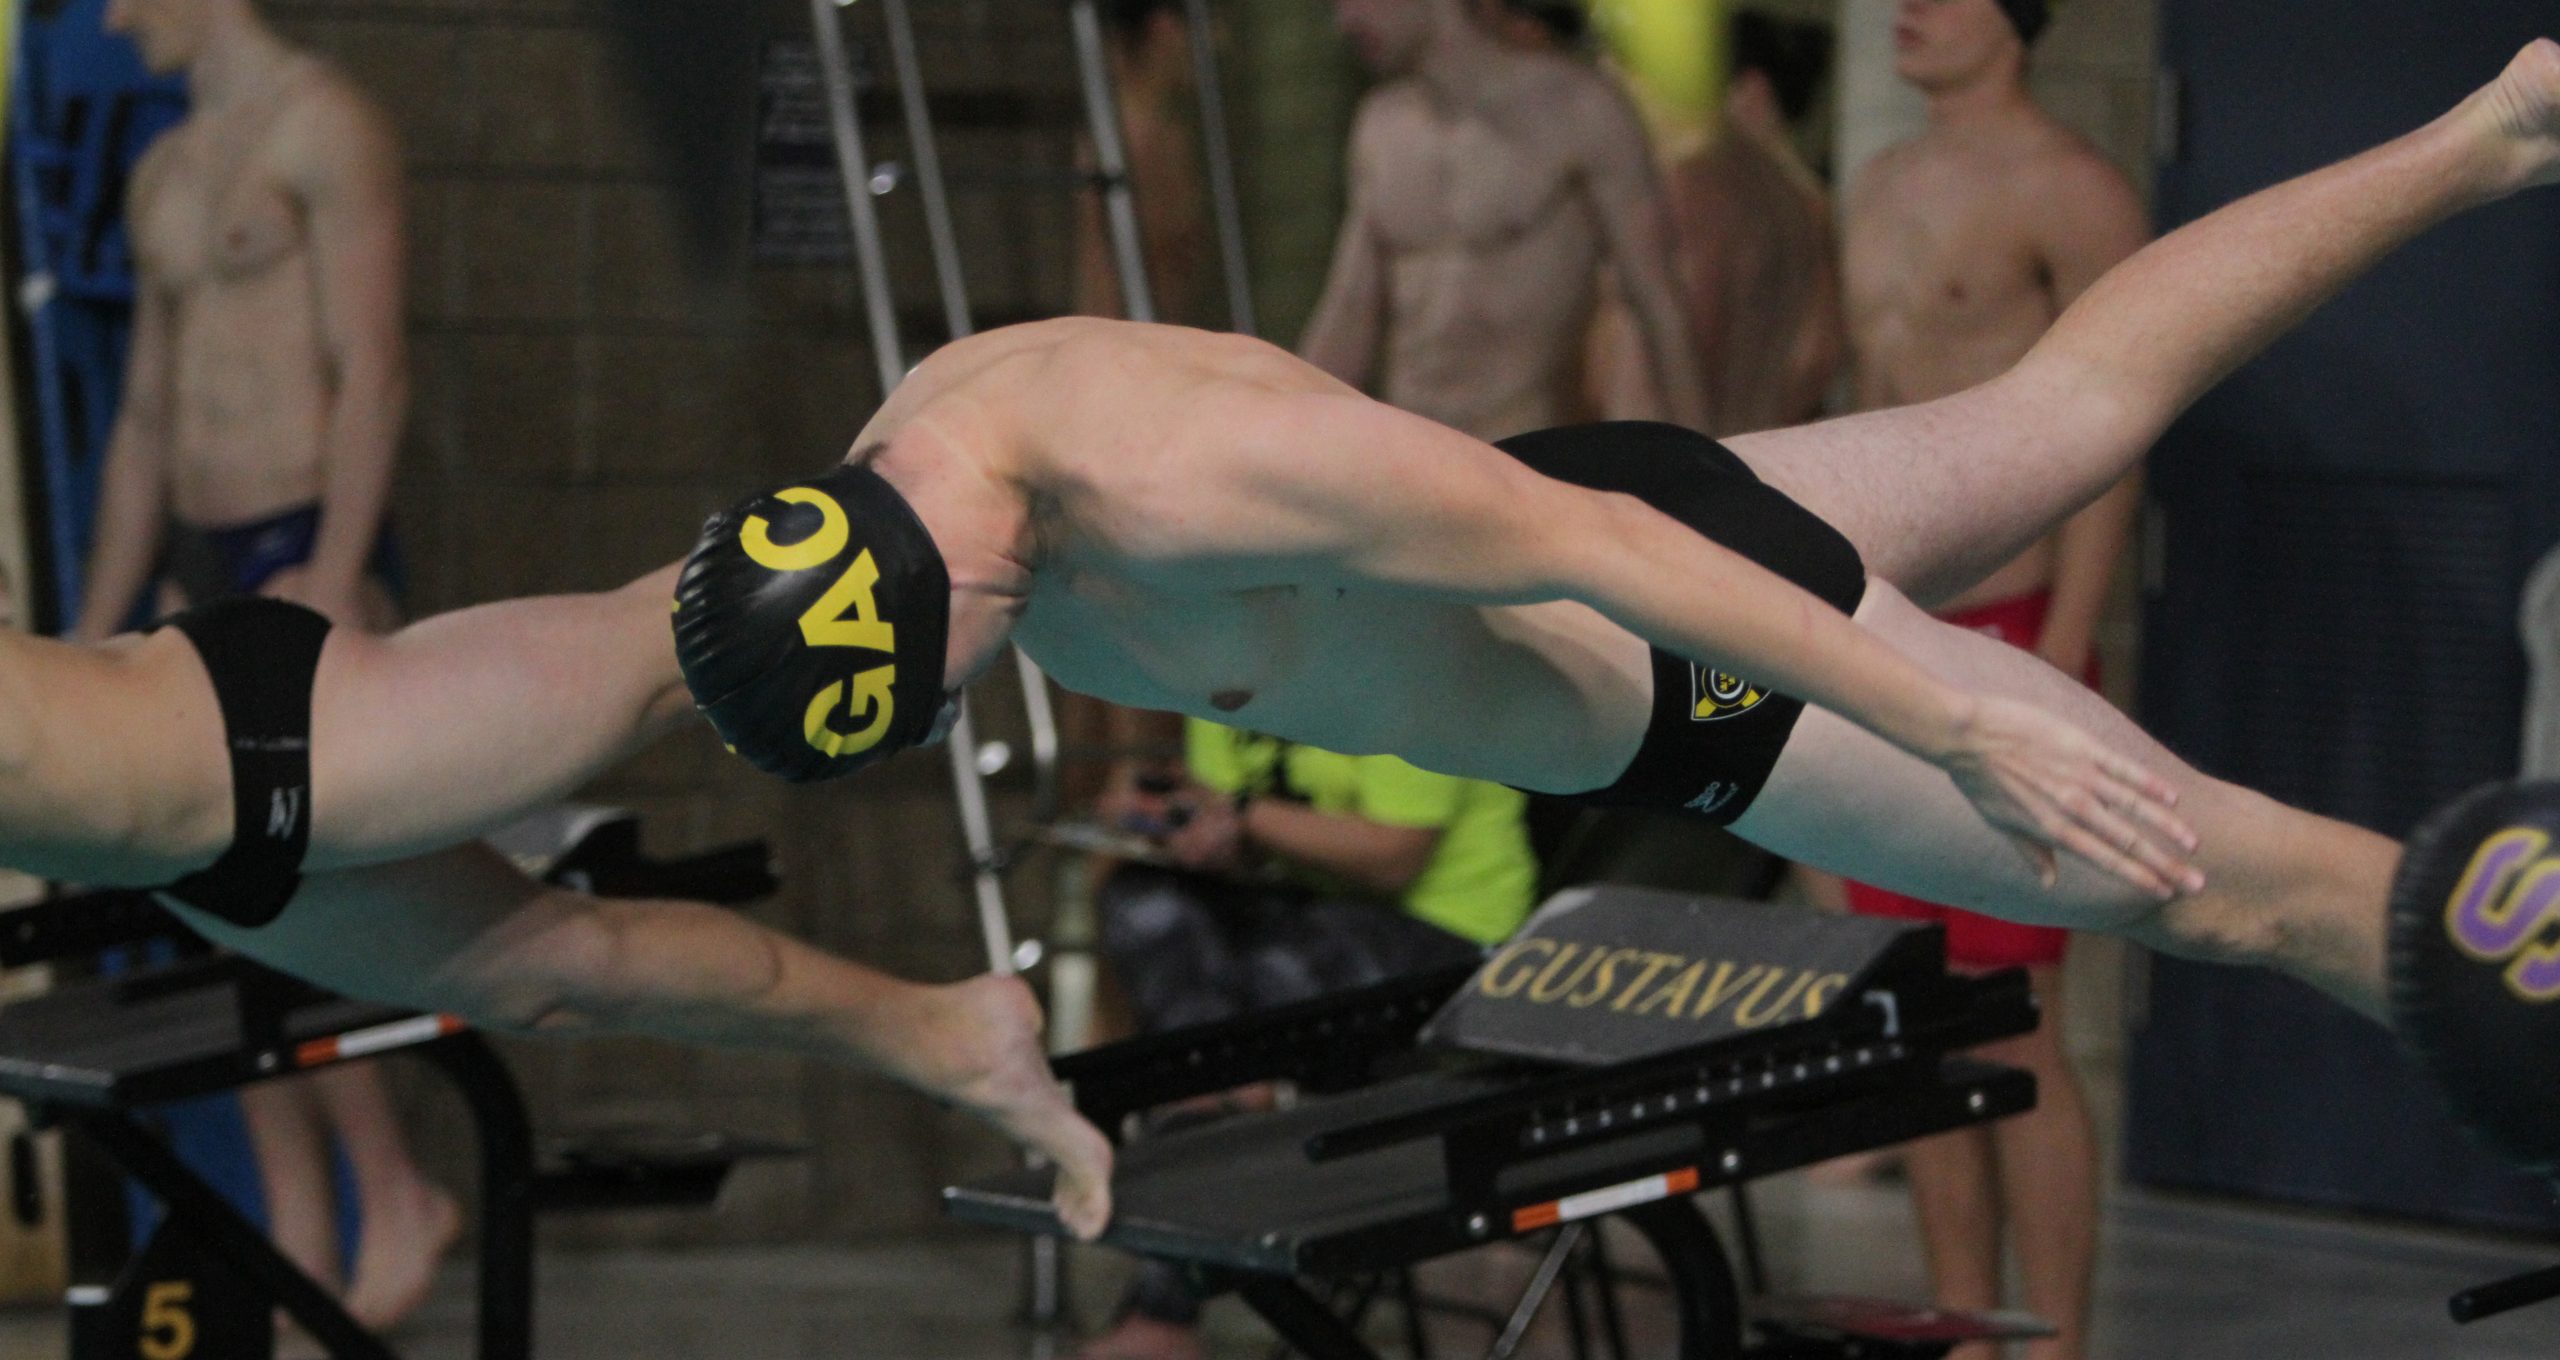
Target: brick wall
[(1296, 85)]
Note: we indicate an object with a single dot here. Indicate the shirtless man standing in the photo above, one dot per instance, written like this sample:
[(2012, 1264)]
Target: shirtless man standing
[(1151, 74), (269, 373), (265, 393), (1488, 187), (1201, 523), (1960, 247), (1751, 231)]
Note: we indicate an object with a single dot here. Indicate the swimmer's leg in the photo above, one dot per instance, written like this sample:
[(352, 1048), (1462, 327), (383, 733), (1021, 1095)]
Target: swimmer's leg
[(1937, 496), (464, 931), (114, 767), (2284, 889), (112, 763)]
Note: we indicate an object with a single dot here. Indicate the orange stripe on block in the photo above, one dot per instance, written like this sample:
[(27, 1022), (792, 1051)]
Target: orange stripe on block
[(377, 1039), (1536, 1216)]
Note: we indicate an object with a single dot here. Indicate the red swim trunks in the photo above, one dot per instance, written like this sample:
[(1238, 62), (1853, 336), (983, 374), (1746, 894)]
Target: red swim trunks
[(1975, 941)]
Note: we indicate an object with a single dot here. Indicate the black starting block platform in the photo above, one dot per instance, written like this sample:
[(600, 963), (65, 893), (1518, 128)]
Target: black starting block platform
[(91, 1057), (1627, 1049)]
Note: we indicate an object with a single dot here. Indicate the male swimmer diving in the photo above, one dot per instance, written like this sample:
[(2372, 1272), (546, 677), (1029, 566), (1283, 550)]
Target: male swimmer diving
[(1202, 523)]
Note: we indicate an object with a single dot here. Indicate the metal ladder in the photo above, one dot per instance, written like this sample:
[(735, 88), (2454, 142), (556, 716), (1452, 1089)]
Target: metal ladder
[(974, 762)]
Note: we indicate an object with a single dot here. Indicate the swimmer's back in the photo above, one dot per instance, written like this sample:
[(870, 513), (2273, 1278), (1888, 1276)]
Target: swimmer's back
[(1078, 389)]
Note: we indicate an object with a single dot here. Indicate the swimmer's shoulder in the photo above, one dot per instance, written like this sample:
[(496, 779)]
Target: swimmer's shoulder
[(1049, 373), (1134, 380), (1114, 367)]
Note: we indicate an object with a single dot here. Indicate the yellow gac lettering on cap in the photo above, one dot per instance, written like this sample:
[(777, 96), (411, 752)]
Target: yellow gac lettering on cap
[(834, 531), (848, 615), (870, 694)]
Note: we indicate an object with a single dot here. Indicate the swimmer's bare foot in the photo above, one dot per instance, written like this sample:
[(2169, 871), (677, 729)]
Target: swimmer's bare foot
[(1139, 1337), (405, 1238), (2524, 106), (980, 1051)]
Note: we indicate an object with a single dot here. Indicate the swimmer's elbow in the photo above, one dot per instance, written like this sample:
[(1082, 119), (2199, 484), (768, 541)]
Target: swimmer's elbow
[(1605, 553)]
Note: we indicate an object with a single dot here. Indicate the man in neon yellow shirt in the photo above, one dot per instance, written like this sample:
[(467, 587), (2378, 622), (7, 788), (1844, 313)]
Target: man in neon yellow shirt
[(1292, 872)]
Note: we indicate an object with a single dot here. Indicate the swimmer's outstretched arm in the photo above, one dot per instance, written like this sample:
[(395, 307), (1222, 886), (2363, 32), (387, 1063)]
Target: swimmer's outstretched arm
[(467, 720), (1377, 497), (1937, 494), (464, 932)]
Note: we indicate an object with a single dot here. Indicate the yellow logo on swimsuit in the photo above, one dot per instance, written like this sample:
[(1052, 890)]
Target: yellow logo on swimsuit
[(1715, 694), (847, 615)]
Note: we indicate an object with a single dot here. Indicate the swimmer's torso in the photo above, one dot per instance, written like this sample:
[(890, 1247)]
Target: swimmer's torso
[(1491, 247), (1763, 321), (221, 234), (1942, 286), (1138, 594)]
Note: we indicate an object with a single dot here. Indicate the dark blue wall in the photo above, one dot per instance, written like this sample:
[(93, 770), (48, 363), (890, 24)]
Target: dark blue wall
[(2348, 524)]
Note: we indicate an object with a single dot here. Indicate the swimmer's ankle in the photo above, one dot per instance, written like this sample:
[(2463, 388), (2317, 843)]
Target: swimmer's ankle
[(2511, 126)]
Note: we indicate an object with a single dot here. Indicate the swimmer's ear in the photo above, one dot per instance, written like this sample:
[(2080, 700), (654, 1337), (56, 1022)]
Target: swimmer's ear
[(2474, 963)]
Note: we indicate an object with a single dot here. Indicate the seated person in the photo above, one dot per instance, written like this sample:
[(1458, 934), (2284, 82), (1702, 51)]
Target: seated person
[(1289, 872)]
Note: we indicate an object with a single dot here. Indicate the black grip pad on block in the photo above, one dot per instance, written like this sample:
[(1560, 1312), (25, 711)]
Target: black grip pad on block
[(2475, 963)]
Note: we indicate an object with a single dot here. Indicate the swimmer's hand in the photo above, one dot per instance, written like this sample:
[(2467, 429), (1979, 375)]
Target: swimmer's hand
[(1002, 1077), (2047, 785), (2521, 110)]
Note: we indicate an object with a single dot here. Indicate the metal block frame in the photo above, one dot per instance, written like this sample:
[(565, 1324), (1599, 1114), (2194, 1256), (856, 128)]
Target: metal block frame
[(973, 762)]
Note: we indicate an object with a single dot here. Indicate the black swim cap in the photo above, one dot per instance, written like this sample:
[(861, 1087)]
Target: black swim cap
[(2474, 963), (810, 624), (2027, 16)]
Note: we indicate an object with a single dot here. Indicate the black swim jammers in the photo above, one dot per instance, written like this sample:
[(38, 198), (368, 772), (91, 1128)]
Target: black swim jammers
[(1713, 737), (263, 656)]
